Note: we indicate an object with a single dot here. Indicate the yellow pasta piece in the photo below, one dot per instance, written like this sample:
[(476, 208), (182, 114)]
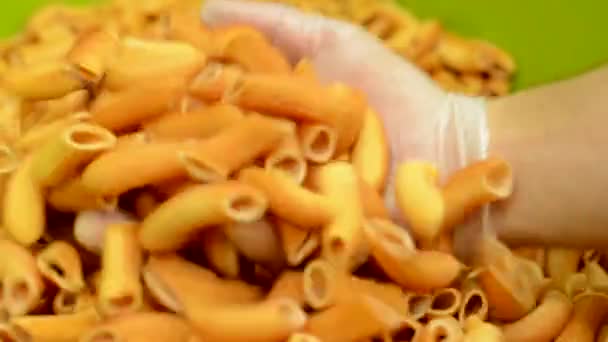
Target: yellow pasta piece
[(45, 51), (22, 285), (388, 293), (120, 289), (185, 25), (45, 112), (44, 132), (445, 302), (587, 316), (67, 302), (62, 158), (177, 220), (60, 262), (371, 154), (42, 81), (198, 124), (215, 82), (176, 284), (90, 227), (418, 305), (442, 329), (419, 199), (142, 327), (94, 51), (288, 158), (23, 210), (552, 315), (474, 302), (73, 196), (297, 243), (478, 331), (12, 123), (220, 252), (248, 139), (320, 284), (258, 242), (373, 203), (318, 142), (562, 262), (288, 200), (344, 243), (289, 284), (425, 39), (301, 337), (67, 327), (8, 160), (536, 254), (458, 54), (250, 49), (480, 183), (306, 70), (597, 278)]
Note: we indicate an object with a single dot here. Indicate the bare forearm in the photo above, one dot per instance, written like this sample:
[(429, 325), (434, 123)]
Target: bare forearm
[(556, 139)]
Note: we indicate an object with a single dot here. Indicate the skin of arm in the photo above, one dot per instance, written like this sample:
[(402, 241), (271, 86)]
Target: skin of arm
[(555, 138)]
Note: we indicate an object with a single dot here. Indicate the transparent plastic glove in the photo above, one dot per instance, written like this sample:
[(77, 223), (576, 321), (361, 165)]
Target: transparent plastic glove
[(422, 121)]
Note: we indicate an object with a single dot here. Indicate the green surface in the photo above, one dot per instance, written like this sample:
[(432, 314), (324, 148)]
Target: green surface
[(550, 39)]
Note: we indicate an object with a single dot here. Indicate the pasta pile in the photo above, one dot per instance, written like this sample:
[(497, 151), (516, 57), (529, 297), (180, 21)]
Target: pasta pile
[(469, 66), (162, 181)]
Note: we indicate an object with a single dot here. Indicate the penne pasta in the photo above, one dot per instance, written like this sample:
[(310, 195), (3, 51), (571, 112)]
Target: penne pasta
[(318, 142), (60, 263), (288, 158), (24, 213), (474, 302), (481, 183), (458, 54), (597, 278), (93, 52), (586, 319), (43, 80), (344, 243), (410, 330), (250, 49), (258, 242), (536, 254), (8, 161), (142, 327), (373, 203), (67, 302), (562, 262), (90, 227), (186, 26), (52, 110), (552, 314), (215, 82), (419, 200), (220, 252), (177, 220), (12, 121), (306, 70), (418, 305), (445, 329), (371, 155), (68, 327), (320, 284), (62, 158), (387, 293), (22, 285), (289, 284), (120, 289), (176, 284), (140, 60), (248, 139), (445, 302), (288, 200), (44, 132), (475, 330), (198, 124), (302, 337), (298, 244)]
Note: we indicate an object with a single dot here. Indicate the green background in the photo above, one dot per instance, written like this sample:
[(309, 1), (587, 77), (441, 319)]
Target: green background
[(550, 39)]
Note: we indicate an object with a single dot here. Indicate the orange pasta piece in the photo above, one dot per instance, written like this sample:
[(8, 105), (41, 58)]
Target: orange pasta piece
[(445, 329), (474, 302), (221, 253), (344, 243), (248, 139), (418, 305), (60, 262), (562, 262), (258, 242), (552, 314), (185, 25), (67, 302), (43, 80), (45, 112), (90, 227), (215, 82), (298, 244), (250, 49), (459, 54), (419, 199), (388, 293), (320, 283), (288, 158), (475, 330), (318, 142), (301, 337), (371, 154), (287, 199), (68, 327), (198, 124), (145, 203), (73, 196), (587, 316), (176, 283), (93, 52), (373, 203), (44, 132), (306, 70), (483, 182), (289, 284), (445, 302), (177, 220), (12, 121)]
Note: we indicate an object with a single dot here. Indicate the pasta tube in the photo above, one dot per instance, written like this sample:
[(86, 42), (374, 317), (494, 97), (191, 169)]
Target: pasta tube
[(60, 262), (410, 330), (215, 82), (288, 158), (482, 182), (22, 285), (301, 337), (344, 243), (24, 214), (249, 49), (320, 284), (247, 139), (552, 315), (298, 244), (67, 302), (221, 253), (42, 81), (419, 199), (587, 316), (562, 262), (478, 331), (140, 60), (318, 142), (143, 327), (289, 284), (198, 124), (93, 52), (258, 242), (90, 227), (12, 122), (177, 220), (445, 329), (57, 327), (63, 157), (43, 132), (474, 302), (288, 200), (371, 154), (458, 54), (176, 284), (364, 316), (45, 112), (536, 254), (270, 320), (120, 289), (306, 70), (445, 302), (387, 293), (373, 203), (185, 25), (8, 160), (393, 249), (136, 104), (597, 278)]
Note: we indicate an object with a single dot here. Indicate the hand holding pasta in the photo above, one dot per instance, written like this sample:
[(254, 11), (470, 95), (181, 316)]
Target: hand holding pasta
[(169, 181)]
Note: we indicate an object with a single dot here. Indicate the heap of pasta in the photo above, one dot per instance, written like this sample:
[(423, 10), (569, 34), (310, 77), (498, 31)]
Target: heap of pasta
[(161, 181), (469, 66)]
